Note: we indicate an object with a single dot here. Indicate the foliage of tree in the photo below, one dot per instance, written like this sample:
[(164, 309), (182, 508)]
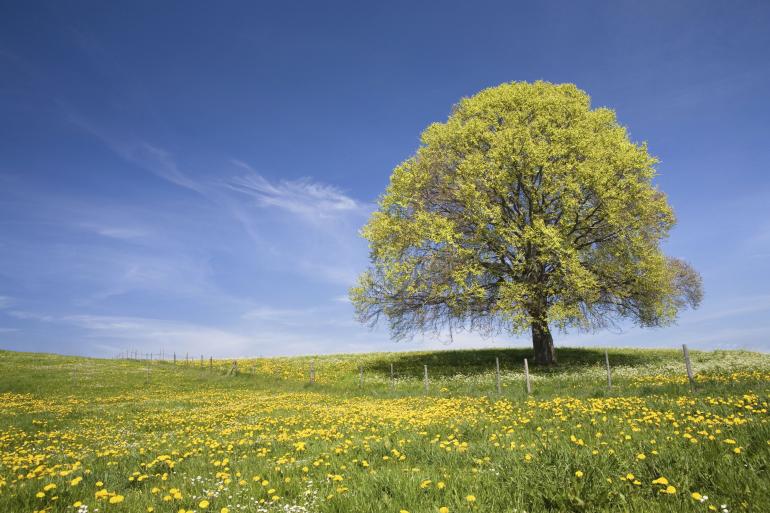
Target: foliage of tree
[(526, 210)]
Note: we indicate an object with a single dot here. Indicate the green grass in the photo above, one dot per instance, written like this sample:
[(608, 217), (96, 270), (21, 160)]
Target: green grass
[(207, 434)]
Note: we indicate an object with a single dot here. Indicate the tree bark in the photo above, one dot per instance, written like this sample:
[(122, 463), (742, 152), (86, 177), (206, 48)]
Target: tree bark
[(542, 343)]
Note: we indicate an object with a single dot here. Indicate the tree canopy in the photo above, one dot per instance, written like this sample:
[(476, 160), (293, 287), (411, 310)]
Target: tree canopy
[(526, 210)]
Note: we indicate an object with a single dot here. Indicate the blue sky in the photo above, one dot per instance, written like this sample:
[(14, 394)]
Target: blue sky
[(192, 177)]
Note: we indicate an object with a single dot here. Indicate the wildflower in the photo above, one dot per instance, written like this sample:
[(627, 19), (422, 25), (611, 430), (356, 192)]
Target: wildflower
[(224, 510), (116, 499), (579, 474), (49, 486), (661, 481), (443, 509), (470, 498), (641, 456), (440, 485), (203, 504)]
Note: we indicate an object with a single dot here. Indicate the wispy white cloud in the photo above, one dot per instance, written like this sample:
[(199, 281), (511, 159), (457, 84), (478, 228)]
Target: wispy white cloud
[(280, 315), (159, 333), (141, 153), (112, 334), (158, 161), (302, 197), (31, 316), (118, 232), (109, 335)]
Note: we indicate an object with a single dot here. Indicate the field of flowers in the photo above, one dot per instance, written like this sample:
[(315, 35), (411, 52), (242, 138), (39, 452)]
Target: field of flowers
[(84, 435)]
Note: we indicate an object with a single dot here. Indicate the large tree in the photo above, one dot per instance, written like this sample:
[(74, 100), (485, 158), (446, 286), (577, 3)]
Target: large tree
[(527, 210)]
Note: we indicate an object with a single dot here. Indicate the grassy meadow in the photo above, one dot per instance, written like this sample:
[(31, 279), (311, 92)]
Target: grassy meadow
[(89, 435)]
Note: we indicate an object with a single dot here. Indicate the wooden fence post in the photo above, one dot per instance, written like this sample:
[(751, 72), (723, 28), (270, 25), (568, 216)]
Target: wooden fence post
[(174, 358), (392, 378), (425, 379), (360, 376), (312, 371), (609, 374), (187, 358), (688, 366), (526, 376), (497, 373), (211, 363)]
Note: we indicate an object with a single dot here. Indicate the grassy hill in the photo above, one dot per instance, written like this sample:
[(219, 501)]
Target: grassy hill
[(80, 434)]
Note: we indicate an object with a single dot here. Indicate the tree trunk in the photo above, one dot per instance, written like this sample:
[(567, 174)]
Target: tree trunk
[(542, 342)]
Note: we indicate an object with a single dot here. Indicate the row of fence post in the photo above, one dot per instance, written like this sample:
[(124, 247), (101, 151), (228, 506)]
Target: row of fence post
[(426, 383)]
